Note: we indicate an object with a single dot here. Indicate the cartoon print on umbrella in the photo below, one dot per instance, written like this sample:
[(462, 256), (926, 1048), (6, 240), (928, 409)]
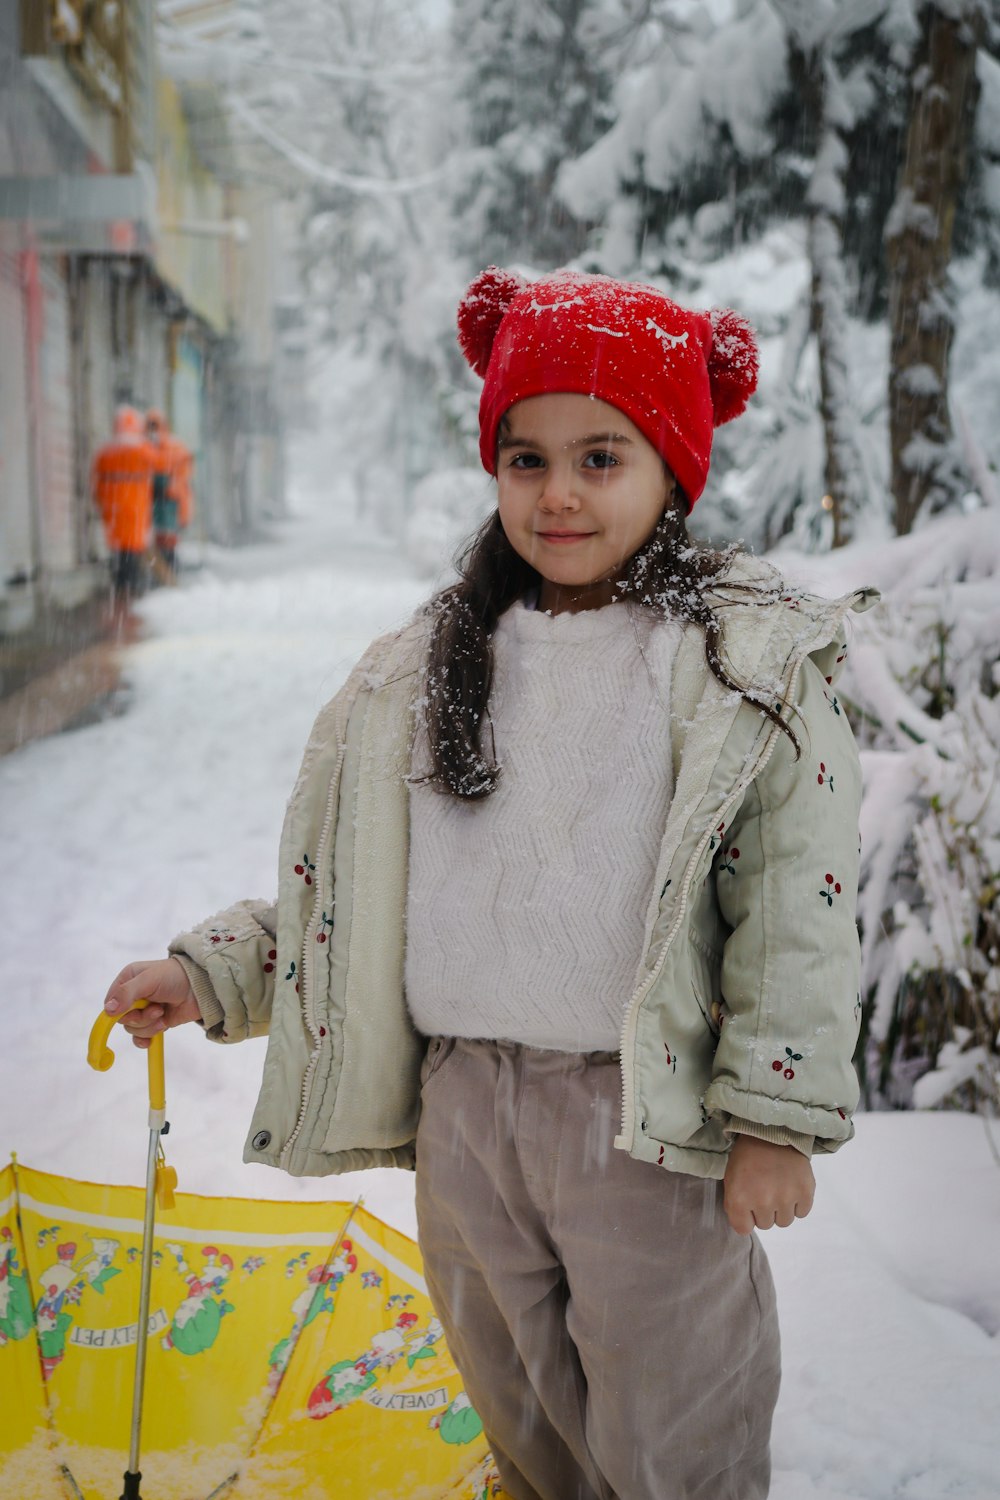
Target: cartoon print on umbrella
[(197, 1320), (346, 1380), (16, 1316), (486, 1484), (319, 1296), (63, 1284), (460, 1423)]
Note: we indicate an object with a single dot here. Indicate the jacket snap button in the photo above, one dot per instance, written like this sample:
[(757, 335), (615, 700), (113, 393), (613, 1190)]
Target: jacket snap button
[(262, 1140)]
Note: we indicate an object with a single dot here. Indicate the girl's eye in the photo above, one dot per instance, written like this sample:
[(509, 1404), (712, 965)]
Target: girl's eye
[(525, 461), (601, 459)]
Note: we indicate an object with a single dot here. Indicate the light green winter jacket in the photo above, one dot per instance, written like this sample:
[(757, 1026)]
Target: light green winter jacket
[(746, 1006)]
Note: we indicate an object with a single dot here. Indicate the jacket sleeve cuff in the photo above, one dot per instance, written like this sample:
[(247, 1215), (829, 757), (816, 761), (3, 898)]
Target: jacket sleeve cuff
[(212, 1014), (778, 1135)]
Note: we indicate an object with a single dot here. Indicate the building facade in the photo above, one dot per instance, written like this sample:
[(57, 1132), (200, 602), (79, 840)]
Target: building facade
[(136, 265)]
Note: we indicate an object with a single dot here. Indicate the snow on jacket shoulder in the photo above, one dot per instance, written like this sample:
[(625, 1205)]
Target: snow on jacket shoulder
[(751, 952)]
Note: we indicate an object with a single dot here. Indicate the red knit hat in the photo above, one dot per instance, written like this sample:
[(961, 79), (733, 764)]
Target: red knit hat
[(675, 374)]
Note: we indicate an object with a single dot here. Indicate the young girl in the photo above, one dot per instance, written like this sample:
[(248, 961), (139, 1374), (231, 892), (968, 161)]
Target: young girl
[(566, 916)]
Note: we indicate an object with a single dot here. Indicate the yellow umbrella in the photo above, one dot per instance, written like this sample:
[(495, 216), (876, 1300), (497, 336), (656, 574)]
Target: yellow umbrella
[(291, 1350)]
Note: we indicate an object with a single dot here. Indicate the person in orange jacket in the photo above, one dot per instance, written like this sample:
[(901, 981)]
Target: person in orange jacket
[(172, 498), (122, 487)]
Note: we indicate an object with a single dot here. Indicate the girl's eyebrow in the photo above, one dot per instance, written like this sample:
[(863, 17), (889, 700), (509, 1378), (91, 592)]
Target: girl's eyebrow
[(580, 442)]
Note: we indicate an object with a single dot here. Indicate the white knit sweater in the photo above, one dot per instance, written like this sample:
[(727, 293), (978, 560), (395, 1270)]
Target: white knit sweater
[(526, 911)]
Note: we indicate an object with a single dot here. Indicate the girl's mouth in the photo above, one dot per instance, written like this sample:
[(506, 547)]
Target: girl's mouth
[(564, 536)]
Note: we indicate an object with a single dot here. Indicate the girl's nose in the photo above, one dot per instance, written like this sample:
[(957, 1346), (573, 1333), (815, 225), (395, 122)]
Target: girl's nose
[(558, 492)]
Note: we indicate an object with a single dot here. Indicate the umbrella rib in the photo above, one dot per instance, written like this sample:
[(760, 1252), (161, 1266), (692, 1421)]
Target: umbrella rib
[(67, 1476), (293, 1340)]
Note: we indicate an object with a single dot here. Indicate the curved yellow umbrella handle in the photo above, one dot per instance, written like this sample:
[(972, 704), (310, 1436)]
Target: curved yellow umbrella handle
[(101, 1057)]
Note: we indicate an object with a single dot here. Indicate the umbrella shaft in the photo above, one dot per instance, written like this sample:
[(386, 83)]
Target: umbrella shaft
[(147, 1274)]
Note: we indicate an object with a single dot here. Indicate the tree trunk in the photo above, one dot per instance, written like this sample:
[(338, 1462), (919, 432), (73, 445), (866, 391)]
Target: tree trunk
[(926, 465), (825, 201)]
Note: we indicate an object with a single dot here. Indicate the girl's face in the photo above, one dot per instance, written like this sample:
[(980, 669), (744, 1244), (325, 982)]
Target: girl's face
[(580, 490)]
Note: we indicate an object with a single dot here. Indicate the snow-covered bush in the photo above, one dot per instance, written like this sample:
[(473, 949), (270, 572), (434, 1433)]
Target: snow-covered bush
[(922, 687)]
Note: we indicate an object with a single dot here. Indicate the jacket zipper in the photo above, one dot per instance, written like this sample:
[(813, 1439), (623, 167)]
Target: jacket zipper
[(305, 971), (631, 1021), (632, 1012)]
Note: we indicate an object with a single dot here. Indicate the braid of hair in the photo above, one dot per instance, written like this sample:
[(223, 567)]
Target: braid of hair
[(460, 662)]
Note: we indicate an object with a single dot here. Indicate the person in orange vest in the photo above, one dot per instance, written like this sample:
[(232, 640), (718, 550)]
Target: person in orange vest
[(172, 498), (122, 487)]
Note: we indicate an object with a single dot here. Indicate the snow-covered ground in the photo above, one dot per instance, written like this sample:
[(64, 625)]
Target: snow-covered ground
[(118, 835)]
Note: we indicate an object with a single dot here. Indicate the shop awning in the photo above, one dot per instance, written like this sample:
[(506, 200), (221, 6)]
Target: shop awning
[(102, 213)]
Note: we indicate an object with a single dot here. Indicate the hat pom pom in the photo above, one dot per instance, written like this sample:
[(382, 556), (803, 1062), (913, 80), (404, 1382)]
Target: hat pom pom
[(481, 312), (733, 364)]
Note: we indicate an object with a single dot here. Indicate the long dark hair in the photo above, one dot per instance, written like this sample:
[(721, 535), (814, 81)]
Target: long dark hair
[(669, 575)]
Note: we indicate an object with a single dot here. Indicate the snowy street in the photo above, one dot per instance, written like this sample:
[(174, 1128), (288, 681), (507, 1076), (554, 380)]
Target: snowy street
[(118, 835)]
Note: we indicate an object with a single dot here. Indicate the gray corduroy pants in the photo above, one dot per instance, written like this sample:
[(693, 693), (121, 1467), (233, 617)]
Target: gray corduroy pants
[(617, 1337)]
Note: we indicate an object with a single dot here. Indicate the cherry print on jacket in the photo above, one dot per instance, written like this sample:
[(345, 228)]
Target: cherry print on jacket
[(825, 777), (842, 648), (306, 869), (832, 889), (784, 1064)]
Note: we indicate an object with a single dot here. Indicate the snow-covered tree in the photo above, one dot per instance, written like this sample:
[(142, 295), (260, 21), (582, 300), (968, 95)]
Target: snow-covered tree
[(532, 83), (794, 113)]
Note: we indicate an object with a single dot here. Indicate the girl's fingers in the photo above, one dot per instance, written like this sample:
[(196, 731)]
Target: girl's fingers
[(126, 989), (745, 1218), (145, 1022), (740, 1216), (782, 1217), (161, 982)]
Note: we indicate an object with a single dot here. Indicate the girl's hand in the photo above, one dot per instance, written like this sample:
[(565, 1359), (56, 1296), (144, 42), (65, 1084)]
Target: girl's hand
[(766, 1185), (164, 984)]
